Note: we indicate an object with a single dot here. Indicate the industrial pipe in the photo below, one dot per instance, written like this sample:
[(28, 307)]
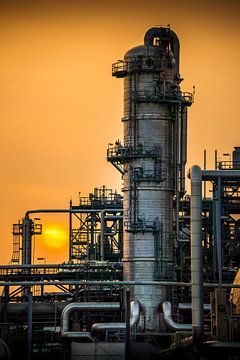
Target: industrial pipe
[(29, 328), (86, 306), (195, 174), (187, 306), (215, 174), (116, 283), (173, 39), (183, 148), (4, 351), (135, 314), (171, 324), (38, 308)]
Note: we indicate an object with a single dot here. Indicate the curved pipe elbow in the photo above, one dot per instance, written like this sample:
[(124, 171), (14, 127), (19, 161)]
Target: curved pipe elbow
[(195, 174), (170, 323), (173, 39), (175, 47), (151, 34), (135, 315), (77, 335), (88, 306)]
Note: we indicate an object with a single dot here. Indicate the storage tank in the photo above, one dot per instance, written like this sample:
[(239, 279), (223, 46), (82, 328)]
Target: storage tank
[(152, 161)]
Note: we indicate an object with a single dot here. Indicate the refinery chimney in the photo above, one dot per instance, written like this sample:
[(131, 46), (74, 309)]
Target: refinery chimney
[(152, 162)]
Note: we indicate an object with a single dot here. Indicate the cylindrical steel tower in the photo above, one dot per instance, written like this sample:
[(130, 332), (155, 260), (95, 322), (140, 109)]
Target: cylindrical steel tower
[(152, 161)]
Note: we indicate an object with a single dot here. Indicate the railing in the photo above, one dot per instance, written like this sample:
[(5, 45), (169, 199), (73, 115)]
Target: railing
[(178, 97), (9, 270), (121, 153), (119, 69), (141, 225), (101, 197), (224, 165), (149, 175)]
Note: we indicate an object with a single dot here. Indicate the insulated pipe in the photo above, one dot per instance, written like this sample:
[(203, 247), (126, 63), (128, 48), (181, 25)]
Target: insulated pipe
[(78, 335), (187, 306), (171, 324), (183, 149), (116, 283), (195, 174), (29, 328), (134, 318), (86, 306), (38, 308), (215, 174), (174, 41)]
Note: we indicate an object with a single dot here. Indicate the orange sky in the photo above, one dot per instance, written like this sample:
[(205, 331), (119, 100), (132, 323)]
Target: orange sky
[(60, 107)]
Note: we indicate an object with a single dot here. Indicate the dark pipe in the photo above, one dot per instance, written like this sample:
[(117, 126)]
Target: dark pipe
[(175, 47), (128, 325), (29, 329), (183, 148), (173, 39), (151, 34)]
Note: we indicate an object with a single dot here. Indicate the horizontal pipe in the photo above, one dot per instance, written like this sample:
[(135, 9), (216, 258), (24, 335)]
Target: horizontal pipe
[(59, 266), (85, 306), (67, 211), (225, 174), (234, 345), (116, 283), (188, 306), (43, 308), (135, 314), (170, 323), (78, 335)]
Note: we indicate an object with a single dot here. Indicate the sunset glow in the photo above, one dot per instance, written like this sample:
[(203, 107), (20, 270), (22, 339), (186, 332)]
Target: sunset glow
[(60, 106), (55, 237)]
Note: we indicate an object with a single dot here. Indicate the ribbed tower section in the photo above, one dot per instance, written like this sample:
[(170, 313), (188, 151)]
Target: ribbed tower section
[(152, 164)]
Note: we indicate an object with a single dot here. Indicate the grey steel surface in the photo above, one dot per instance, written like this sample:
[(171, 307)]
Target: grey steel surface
[(134, 318), (196, 252), (170, 323), (150, 123), (80, 306), (224, 174)]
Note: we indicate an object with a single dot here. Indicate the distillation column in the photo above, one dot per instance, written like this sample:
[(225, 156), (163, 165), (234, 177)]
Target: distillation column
[(152, 162)]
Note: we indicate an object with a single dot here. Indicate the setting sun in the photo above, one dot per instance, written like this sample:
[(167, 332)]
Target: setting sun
[(55, 236)]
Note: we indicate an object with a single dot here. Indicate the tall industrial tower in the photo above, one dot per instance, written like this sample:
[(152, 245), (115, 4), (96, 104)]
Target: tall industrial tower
[(152, 161)]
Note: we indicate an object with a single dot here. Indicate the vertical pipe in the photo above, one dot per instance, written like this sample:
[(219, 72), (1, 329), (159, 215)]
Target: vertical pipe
[(102, 239), (70, 231), (215, 159), (91, 247), (196, 254), (183, 148), (218, 228), (205, 167), (177, 154), (29, 330), (128, 325)]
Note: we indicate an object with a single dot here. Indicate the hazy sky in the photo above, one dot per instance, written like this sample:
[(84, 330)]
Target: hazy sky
[(60, 107)]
